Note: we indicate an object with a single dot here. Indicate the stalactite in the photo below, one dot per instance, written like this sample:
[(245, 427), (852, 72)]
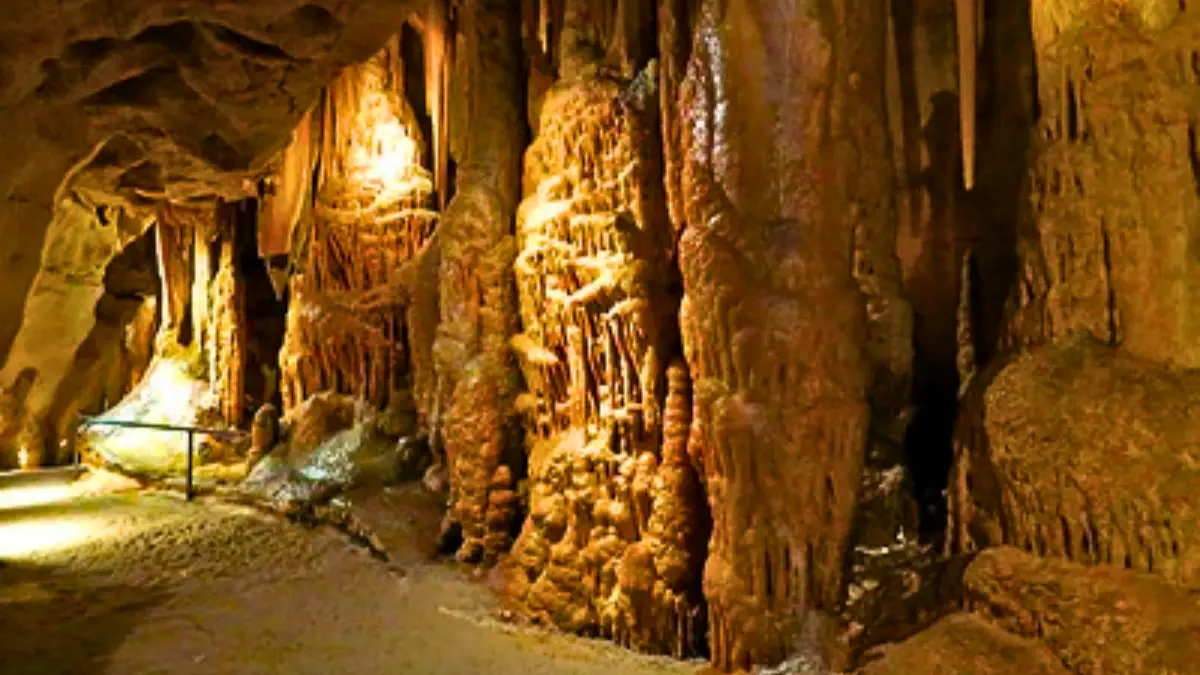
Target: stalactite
[(371, 217), (173, 250), (968, 36), (288, 196), (203, 232)]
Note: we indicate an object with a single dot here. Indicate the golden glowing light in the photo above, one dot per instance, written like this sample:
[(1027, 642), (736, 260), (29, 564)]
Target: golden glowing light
[(382, 155), (33, 495), (169, 395), (23, 458), (39, 536)]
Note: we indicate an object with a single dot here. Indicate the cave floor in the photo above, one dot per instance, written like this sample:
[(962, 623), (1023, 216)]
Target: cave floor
[(133, 582)]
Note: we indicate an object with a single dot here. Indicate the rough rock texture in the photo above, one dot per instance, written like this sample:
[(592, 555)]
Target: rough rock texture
[(133, 102), (1086, 453), (1096, 620), (346, 328), (1110, 245), (61, 313), (477, 373), (616, 509), (964, 644), (773, 323)]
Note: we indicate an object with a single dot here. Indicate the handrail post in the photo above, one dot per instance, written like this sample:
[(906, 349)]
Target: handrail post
[(191, 446)]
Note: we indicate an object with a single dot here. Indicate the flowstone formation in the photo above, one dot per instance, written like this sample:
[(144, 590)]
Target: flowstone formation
[(1094, 620), (117, 107), (683, 301), (1113, 192), (1104, 255), (351, 242), (773, 323), (1085, 453), (616, 509), (477, 376)]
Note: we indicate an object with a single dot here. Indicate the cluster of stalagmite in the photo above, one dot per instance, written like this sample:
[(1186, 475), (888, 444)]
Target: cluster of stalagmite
[(615, 505), (644, 295), (370, 216)]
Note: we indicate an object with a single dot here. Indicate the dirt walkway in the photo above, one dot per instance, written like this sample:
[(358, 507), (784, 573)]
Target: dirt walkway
[(136, 584)]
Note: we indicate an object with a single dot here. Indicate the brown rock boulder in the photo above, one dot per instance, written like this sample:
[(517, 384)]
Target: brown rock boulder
[(1080, 451), (963, 644), (1097, 620)]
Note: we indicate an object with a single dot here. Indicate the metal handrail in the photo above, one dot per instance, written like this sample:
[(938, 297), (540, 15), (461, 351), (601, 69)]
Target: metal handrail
[(88, 421)]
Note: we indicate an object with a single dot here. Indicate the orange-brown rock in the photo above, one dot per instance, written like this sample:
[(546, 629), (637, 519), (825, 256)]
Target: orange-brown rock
[(1081, 451), (773, 321), (107, 108), (1096, 620), (964, 644), (477, 376)]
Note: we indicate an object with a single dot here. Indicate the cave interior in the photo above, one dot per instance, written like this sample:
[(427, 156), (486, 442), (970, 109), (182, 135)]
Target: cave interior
[(767, 334)]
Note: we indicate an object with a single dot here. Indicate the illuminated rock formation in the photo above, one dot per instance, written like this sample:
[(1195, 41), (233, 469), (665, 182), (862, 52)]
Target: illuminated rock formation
[(1085, 453), (1112, 203), (370, 216), (477, 374), (773, 324), (616, 510), (683, 301)]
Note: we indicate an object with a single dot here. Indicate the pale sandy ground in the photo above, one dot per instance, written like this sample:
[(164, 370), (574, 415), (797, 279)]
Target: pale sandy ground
[(144, 583)]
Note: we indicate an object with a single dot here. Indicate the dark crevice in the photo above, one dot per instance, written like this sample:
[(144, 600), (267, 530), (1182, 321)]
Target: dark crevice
[(246, 44), (266, 315), (177, 38)]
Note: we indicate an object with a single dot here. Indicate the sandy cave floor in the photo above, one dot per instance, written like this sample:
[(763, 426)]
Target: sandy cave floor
[(103, 582)]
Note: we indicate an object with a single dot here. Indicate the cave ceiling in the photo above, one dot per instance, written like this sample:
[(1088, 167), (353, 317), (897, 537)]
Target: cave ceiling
[(171, 99)]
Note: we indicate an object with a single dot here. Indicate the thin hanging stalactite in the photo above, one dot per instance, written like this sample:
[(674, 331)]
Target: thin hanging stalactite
[(968, 13)]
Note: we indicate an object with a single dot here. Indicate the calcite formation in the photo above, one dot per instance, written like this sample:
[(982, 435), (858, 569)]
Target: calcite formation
[(118, 106), (477, 374), (685, 297), (610, 546), (773, 323), (349, 250), (964, 644), (1081, 451), (1095, 620), (1113, 194)]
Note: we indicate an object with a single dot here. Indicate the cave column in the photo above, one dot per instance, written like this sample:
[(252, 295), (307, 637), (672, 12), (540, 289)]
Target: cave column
[(785, 157), (476, 370)]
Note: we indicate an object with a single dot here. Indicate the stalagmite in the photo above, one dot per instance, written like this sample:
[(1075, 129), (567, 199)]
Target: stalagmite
[(772, 319), (477, 379), (595, 245), (967, 12)]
